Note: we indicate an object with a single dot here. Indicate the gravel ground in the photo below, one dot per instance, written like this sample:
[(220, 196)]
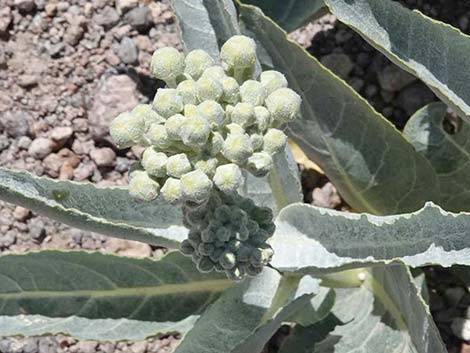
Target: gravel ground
[(68, 67)]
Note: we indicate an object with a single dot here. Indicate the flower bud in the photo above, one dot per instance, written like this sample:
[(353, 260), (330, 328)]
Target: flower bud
[(190, 110), (171, 191), (205, 264), (214, 72), (263, 118), (208, 166), (212, 112), (142, 186), (154, 162), (256, 141), (173, 126), (237, 148), (186, 247), (178, 165), (228, 177), (187, 91), (215, 144), (196, 186), (259, 164), (127, 129), (261, 256), (195, 131), (206, 249), (235, 129), (272, 81), (196, 62), (168, 102), (208, 89), (228, 260), (149, 115), (158, 136), (284, 105), (167, 64), (252, 92), (243, 114), (274, 141), (231, 90), (239, 52)]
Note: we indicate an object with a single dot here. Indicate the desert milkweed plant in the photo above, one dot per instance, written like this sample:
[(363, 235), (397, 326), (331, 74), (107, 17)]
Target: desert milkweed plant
[(216, 185)]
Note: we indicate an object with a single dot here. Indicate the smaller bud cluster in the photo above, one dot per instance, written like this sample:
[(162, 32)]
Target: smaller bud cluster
[(228, 233), (209, 123)]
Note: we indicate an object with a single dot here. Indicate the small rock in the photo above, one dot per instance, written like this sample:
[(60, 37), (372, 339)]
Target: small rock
[(138, 347), (36, 229), (24, 142), (48, 345), (84, 347), (84, 171), (40, 147), (454, 295), (20, 213), (122, 164), (126, 5), (414, 97), (51, 9), (5, 345), (108, 17), (4, 142), (15, 123), (127, 51), (326, 196), (127, 248), (103, 157), (339, 63), (25, 5), (5, 20), (461, 328), (74, 34), (394, 79), (27, 81), (66, 171), (7, 239), (139, 18), (61, 134), (80, 125)]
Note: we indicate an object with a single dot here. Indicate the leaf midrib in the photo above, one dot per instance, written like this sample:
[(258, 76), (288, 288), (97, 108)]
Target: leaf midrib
[(167, 289)]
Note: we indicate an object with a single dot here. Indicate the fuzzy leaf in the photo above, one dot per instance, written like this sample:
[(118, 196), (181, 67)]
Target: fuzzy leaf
[(103, 297), (435, 52), (109, 211), (374, 168), (310, 239)]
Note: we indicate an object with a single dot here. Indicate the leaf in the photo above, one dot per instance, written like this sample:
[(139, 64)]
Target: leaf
[(310, 239), (289, 14), (105, 297), (205, 24), (317, 309), (374, 168), (109, 211), (449, 154), (230, 324), (435, 52), (301, 158)]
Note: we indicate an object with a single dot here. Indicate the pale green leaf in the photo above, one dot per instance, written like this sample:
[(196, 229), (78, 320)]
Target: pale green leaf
[(435, 52), (449, 154), (105, 297), (310, 239), (317, 309), (109, 211), (374, 168)]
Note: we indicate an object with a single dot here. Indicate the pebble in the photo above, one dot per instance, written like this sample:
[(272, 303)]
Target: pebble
[(40, 147), (103, 157), (25, 5), (126, 5), (461, 328), (139, 18), (84, 171), (61, 134), (326, 196), (7, 239), (37, 229), (454, 295), (21, 213), (127, 51), (339, 63), (414, 97), (108, 17), (394, 79), (5, 20), (15, 123), (84, 347)]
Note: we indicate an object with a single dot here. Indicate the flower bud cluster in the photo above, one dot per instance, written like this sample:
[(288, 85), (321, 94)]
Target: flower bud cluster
[(208, 123), (228, 233)]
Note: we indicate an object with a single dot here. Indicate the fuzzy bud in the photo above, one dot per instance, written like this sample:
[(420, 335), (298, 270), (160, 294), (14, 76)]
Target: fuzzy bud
[(171, 191), (196, 62), (142, 186), (187, 91), (178, 165), (215, 72), (195, 131), (257, 141), (284, 105), (149, 115), (196, 186), (127, 129), (259, 164), (173, 126), (274, 141), (237, 148), (252, 92), (263, 118), (212, 112), (228, 177), (208, 166), (239, 52), (167, 64), (215, 144), (158, 136), (154, 162), (168, 102), (272, 81), (208, 89), (231, 90), (243, 114)]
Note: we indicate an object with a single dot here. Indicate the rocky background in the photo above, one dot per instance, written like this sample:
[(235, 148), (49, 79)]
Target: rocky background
[(68, 67)]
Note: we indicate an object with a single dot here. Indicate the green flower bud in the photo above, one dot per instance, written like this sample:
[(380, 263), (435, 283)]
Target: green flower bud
[(243, 234), (206, 249), (243, 114), (216, 254), (263, 215), (274, 141), (208, 166), (167, 64), (214, 72), (263, 118), (212, 112), (272, 81), (173, 126), (186, 247), (259, 164), (222, 214), (205, 264), (228, 260), (178, 165), (158, 136), (228, 177), (154, 162), (252, 226), (196, 62), (261, 256), (168, 102), (187, 91), (142, 186), (231, 90), (223, 234), (215, 144), (252, 92), (256, 141), (228, 110), (196, 186), (171, 191), (127, 129), (190, 110), (208, 89), (235, 129), (239, 52), (284, 105), (237, 148), (252, 270), (208, 235), (195, 131), (150, 116), (194, 237), (235, 274)]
